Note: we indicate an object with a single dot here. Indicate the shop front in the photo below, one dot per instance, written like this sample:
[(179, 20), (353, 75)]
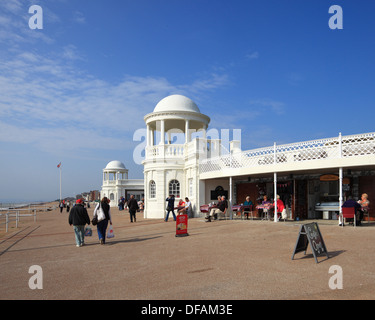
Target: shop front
[(309, 196)]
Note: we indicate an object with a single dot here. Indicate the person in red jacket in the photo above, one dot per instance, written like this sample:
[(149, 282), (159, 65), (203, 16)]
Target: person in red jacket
[(280, 206)]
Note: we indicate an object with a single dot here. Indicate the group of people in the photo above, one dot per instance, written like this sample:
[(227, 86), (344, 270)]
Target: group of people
[(361, 206), (220, 208), (122, 204), (78, 217), (133, 206), (280, 207), (184, 207), (63, 205)]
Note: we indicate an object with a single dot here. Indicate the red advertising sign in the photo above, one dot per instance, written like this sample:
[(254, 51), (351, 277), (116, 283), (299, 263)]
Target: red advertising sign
[(181, 225)]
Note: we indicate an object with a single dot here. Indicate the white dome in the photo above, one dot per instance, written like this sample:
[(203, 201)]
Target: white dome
[(115, 165), (176, 103)]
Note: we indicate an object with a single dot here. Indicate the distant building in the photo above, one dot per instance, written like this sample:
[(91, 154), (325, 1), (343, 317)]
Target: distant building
[(94, 195), (116, 183)]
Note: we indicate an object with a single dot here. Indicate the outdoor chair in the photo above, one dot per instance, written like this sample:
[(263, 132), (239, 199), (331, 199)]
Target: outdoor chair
[(367, 213), (237, 213), (247, 210), (348, 213), (205, 208)]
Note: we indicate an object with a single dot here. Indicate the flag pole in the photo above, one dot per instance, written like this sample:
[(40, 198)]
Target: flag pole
[(60, 183), (59, 166)]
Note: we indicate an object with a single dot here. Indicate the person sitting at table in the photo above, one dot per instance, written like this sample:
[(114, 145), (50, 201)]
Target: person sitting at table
[(266, 205), (247, 202), (213, 205), (350, 203), (364, 207), (221, 208)]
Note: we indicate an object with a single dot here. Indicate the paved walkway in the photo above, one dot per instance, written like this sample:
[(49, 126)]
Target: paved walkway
[(222, 260)]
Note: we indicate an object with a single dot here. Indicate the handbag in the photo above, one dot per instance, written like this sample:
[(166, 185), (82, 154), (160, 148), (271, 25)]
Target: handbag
[(100, 213), (94, 221)]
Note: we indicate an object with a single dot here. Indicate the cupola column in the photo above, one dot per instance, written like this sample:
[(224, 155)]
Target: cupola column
[(148, 136), (187, 136), (162, 132)]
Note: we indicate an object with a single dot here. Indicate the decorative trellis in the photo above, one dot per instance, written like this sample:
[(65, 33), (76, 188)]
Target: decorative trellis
[(315, 150)]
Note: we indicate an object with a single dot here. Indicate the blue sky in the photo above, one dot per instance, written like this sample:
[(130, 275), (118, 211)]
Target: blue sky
[(76, 91)]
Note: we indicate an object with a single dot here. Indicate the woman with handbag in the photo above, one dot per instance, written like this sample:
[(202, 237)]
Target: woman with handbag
[(102, 214)]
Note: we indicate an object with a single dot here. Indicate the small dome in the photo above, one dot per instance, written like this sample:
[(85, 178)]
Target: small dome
[(176, 103), (115, 165)]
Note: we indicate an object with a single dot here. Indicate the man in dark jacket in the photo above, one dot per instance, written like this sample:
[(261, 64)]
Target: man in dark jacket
[(78, 217), (170, 207), (133, 207)]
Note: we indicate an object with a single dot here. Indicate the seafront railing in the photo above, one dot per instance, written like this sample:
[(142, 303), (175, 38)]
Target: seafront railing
[(7, 217), (322, 149)]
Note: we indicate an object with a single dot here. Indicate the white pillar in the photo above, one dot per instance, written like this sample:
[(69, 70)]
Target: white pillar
[(275, 197), (169, 137), (340, 194), (275, 182), (148, 136), (162, 132), (230, 197), (204, 135), (187, 138)]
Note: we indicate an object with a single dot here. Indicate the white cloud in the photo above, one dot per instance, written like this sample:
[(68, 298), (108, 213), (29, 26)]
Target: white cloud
[(47, 102), (79, 17), (70, 52), (253, 55), (268, 105)]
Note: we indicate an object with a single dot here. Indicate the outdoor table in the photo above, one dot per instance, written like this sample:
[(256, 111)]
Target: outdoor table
[(241, 208), (265, 207), (238, 208), (206, 208)]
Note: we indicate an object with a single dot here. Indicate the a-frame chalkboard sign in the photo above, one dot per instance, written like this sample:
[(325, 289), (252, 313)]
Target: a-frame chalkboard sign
[(310, 233)]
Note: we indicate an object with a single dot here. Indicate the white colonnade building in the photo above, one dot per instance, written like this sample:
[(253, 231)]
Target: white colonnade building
[(171, 164), (116, 183), (313, 178)]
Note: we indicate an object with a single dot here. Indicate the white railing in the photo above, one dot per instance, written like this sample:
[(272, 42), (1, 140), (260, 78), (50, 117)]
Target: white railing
[(330, 148), (167, 150), (16, 215)]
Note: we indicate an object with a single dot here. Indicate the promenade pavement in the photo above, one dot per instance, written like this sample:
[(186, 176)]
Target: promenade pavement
[(221, 260)]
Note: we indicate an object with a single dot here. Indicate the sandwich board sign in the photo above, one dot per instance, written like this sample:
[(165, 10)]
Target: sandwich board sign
[(310, 234), (181, 225)]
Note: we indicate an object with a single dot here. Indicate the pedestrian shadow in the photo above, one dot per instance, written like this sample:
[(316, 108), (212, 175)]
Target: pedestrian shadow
[(117, 241)]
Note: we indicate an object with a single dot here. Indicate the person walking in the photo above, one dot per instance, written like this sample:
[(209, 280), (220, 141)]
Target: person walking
[(78, 217), (133, 207), (170, 207), (61, 206), (103, 213)]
